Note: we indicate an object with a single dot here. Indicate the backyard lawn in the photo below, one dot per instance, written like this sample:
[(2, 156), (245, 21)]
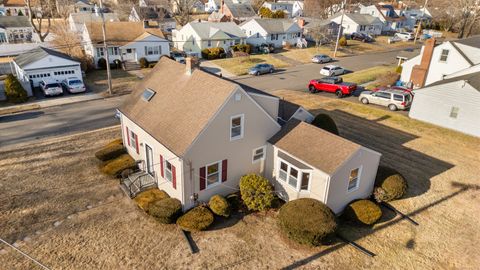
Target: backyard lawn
[(305, 55), (376, 76), (240, 65), (122, 81), (58, 208)]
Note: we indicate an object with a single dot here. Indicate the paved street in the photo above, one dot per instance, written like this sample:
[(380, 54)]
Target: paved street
[(90, 115)]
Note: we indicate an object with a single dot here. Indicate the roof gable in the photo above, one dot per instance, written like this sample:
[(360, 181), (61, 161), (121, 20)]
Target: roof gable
[(30, 57), (120, 33)]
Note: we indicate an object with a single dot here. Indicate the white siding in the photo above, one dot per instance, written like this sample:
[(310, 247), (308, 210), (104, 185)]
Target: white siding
[(434, 105), (438, 69)]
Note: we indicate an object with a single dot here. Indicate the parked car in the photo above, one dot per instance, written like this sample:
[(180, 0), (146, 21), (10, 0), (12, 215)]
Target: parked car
[(178, 56), (321, 58), (361, 37), (73, 85), (266, 48), (405, 36), (400, 88), (51, 87), (332, 70), (391, 98), (332, 85), (394, 39), (261, 69)]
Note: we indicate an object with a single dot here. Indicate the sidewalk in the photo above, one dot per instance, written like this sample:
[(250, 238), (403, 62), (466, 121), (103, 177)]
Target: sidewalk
[(45, 103)]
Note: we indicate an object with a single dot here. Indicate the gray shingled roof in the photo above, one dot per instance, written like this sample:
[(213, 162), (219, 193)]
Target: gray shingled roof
[(473, 79), (273, 26), (471, 41), (14, 21), (240, 8), (206, 29), (36, 54), (361, 19)]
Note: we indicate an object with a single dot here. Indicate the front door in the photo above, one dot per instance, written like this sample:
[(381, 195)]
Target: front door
[(149, 159), (129, 55)]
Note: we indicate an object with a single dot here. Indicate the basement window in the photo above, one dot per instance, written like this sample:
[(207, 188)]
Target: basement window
[(148, 94)]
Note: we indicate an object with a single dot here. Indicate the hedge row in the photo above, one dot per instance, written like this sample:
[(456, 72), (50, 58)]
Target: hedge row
[(213, 53)]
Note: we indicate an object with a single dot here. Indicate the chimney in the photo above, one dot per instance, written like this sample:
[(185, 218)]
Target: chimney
[(301, 22), (420, 72), (189, 65), (221, 8)]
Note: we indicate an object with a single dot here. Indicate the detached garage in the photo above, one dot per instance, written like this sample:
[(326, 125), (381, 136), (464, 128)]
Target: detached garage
[(452, 103), (42, 63)]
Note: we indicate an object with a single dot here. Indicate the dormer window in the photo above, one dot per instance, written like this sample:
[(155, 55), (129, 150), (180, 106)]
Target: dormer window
[(148, 94)]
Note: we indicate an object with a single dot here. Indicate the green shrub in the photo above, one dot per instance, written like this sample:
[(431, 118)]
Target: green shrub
[(145, 198), (246, 48), (165, 211), (110, 152), (197, 219), (102, 63), (234, 201), (389, 185), (205, 53), (342, 42), (14, 90), (152, 64), (399, 69), (219, 206), (116, 166), (115, 142), (143, 62), (307, 221), (213, 53), (363, 212), (256, 191), (279, 14), (325, 122), (265, 12)]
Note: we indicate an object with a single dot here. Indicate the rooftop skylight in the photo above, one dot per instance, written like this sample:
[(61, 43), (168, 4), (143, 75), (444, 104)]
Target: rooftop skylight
[(148, 94)]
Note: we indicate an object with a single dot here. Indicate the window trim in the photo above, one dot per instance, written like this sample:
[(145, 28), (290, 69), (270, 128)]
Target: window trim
[(133, 141), (298, 188), (454, 115), (207, 186), (242, 127), (359, 176), (152, 172), (263, 148), (442, 55), (165, 170)]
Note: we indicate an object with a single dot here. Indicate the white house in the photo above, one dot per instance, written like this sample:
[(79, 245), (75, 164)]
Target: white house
[(435, 62), (291, 8), (41, 63), (451, 103), (83, 6), (274, 31), (212, 5), (297, 7), (413, 16), (15, 29), (361, 23), (76, 21), (196, 36), (387, 15), (127, 42), (196, 134), (14, 8)]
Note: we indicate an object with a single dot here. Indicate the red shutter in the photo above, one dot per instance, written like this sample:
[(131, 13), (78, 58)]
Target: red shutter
[(136, 143), (128, 136), (161, 166), (174, 178), (202, 178), (224, 170)]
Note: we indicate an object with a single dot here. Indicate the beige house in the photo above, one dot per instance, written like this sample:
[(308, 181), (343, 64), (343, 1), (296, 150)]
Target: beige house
[(195, 134)]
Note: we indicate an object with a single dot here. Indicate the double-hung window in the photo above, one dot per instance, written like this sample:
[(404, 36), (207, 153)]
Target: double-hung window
[(258, 154), (293, 177), (454, 112), (214, 174), (168, 170), (133, 139), (444, 55), (354, 179), (236, 127), (298, 179), (283, 171), (100, 52)]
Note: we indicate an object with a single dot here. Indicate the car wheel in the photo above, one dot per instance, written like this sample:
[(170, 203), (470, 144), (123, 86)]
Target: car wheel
[(257, 73), (312, 89), (271, 70), (364, 100), (392, 107), (339, 94)]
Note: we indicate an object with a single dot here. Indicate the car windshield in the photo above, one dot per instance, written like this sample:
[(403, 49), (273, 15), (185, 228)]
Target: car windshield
[(75, 82), (258, 66), (50, 85), (326, 68)]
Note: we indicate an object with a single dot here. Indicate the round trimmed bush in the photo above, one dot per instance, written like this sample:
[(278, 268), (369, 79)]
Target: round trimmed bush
[(307, 221), (197, 219), (143, 62), (117, 165), (256, 191), (363, 211), (110, 151), (166, 211), (219, 206), (325, 122), (389, 185), (102, 63), (14, 91), (342, 42)]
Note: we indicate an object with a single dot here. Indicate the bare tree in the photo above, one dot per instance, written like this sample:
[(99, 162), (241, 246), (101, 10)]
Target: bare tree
[(39, 11), (64, 8), (182, 9), (69, 43)]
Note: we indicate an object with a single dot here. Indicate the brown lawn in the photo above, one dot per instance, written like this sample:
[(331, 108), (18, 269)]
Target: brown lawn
[(56, 182)]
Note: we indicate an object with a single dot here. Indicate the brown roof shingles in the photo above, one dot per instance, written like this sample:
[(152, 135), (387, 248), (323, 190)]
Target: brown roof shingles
[(317, 147), (120, 33), (182, 106)]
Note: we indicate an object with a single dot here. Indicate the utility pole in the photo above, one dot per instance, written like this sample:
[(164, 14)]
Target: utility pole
[(105, 47), (420, 23), (340, 28)]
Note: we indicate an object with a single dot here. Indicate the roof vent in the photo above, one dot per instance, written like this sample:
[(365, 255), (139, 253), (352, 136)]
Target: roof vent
[(148, 94)]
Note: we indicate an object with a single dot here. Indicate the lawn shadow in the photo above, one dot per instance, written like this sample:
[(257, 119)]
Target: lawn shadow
[(20, 116)]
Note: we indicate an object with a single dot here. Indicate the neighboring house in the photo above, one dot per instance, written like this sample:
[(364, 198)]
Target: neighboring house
[(414, 16), (274, 31), (297, 7), (15, 8), (197, 6), (15, 29), (196, 36), (317, 29), (387, 15), (83, 6), (76, 21), (127, 42), (360, 23), (217, 16), (435, 62), (212, 5), (41, 63), (237, 10), (153, 17), (152, 3), (451, 103), (196, 134), (283, 6)]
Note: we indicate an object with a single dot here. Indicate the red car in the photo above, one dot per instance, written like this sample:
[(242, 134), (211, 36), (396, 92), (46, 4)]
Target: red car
[(332, 85)]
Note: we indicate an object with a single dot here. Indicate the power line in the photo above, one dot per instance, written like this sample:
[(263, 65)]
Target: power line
[(25, 254)]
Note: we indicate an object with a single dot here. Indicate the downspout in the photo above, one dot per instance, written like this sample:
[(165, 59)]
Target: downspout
[(325, 196)]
